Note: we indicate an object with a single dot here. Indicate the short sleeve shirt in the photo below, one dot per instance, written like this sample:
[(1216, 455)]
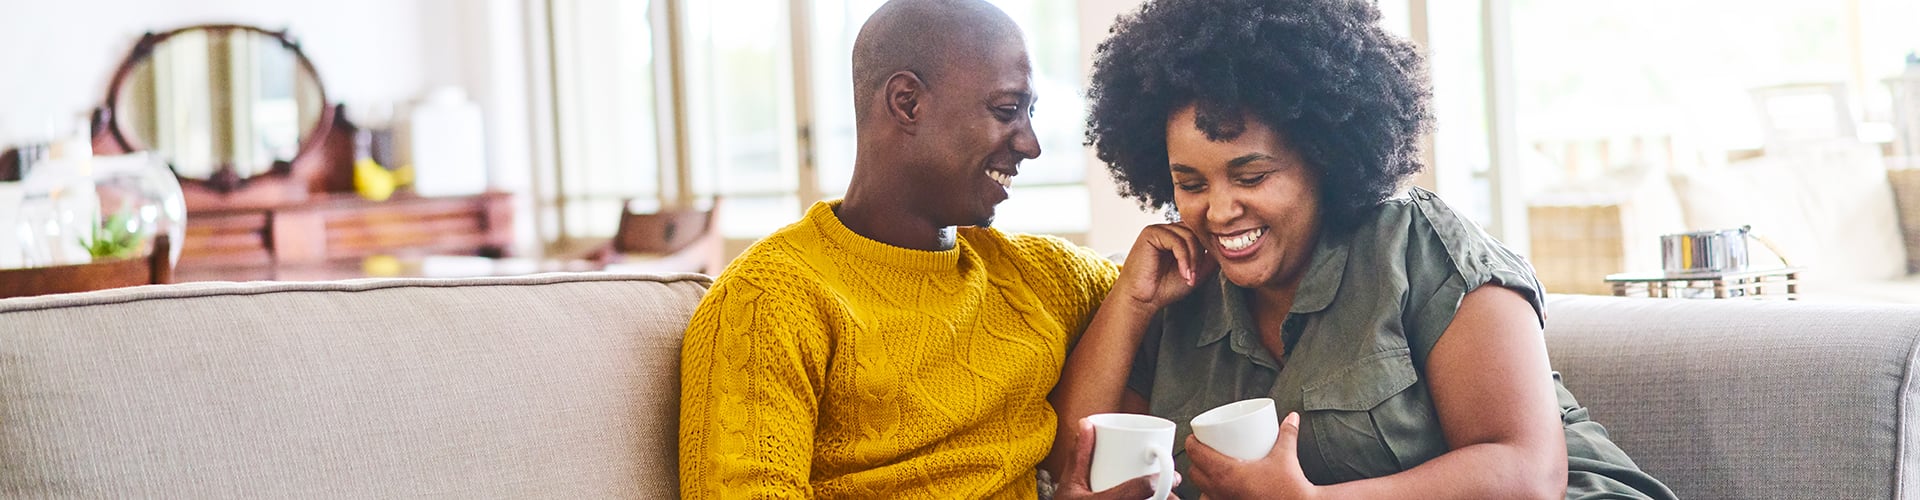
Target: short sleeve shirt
[(1370, 308)]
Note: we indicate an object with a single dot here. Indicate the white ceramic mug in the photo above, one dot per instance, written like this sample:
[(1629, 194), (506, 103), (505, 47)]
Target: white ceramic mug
[(1245, 430), (1126, 446)]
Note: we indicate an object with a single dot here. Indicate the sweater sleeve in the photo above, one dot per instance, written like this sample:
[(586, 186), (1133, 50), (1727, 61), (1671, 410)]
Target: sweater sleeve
[(753, 365), (1078, 278), (1096, 276)]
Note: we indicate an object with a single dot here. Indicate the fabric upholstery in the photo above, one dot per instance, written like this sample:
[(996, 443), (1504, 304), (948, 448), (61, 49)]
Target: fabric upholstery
[(1750, 400), (566, 386), (542, 386)]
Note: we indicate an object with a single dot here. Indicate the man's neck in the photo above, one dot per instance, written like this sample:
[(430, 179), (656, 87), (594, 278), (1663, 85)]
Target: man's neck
[(889, 220)]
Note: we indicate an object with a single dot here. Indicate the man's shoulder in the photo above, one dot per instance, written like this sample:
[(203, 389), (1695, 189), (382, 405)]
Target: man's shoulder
[(1051, 259), (782, 260), (1035, 248)]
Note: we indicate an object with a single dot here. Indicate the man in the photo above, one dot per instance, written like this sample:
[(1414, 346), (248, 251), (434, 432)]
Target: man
[(873, 350)]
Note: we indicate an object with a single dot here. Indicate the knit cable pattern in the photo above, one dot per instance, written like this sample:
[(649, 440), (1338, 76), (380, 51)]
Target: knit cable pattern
[(823, 364)]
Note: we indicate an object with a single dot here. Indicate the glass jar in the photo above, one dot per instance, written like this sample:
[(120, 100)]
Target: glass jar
[(139, 198)]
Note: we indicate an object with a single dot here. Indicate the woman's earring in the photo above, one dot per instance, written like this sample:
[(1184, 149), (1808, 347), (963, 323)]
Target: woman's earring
[(1172, 213)]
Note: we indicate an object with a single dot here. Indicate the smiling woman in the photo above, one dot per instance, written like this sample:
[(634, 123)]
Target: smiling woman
[(1405, 338)]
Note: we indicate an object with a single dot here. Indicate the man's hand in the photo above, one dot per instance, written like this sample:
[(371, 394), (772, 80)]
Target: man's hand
[(1276, 476), (1166, 261), (1074, 484)]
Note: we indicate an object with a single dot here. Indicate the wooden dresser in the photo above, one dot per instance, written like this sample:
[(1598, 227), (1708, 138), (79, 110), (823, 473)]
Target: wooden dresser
[(334, 226)]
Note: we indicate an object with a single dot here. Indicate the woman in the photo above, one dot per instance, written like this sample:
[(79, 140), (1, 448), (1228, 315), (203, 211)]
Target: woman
[(1401, 343)]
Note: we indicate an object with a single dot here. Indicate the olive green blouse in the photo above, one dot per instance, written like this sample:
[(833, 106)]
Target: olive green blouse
[(1368, 311)]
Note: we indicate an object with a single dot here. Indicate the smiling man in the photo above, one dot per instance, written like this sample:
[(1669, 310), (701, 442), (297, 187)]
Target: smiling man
[(891, 344)]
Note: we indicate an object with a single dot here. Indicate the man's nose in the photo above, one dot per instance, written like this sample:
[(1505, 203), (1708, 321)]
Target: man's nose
[(1025, 142)]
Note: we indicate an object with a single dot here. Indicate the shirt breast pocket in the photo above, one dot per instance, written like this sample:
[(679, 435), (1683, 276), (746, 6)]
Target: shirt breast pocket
[(1350, 414)]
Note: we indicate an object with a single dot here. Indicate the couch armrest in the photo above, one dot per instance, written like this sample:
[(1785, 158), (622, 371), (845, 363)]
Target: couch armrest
[(1749, 399)]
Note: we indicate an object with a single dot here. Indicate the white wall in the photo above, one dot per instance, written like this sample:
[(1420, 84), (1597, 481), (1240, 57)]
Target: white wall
[(57, 57), (1116, 221)]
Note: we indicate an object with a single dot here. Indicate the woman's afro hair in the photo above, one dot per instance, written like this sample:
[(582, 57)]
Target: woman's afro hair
[(1349, 97)]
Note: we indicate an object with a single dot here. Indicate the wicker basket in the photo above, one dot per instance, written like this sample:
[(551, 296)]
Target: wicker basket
[(1906, 195), (1575, 247)]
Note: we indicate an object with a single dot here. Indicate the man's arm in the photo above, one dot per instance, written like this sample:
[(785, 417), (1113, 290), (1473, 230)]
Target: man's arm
[(751, 369)]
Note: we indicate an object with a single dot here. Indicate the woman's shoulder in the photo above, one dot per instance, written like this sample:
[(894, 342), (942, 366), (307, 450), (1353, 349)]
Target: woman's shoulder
[(1432, 238), (1443, 253), (1445, 256)]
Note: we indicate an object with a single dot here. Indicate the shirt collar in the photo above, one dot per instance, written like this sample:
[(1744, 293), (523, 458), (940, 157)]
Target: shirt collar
[(1223, 308)]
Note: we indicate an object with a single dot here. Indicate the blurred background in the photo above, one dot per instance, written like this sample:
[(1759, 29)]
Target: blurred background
[(1577, 132)]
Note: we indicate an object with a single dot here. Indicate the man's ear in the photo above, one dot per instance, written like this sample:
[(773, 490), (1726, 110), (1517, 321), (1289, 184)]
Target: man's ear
[(904, 93)]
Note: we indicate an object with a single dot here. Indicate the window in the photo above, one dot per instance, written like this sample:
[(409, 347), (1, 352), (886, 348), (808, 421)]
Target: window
[(740, 112), (604, 107), (1679, 74), (766, 110), (1049, 195)]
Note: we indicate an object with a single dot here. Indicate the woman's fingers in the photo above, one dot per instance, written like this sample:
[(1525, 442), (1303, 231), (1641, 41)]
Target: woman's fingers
[(1185, 246), (1076, 473), (1197, 264), (1166, 262), (1181, 249)]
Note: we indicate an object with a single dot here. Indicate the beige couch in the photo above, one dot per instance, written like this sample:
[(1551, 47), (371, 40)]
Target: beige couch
[(550, 386), (565, 386)]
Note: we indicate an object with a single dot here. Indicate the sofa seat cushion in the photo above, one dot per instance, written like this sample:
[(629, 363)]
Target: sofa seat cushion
[(559, 385)]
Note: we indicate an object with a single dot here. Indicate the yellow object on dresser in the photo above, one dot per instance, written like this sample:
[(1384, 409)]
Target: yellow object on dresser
[(824, 364)]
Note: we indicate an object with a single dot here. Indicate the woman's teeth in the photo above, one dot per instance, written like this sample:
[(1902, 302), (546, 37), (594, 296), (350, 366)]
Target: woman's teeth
[(1006, 181), (1244, 240)]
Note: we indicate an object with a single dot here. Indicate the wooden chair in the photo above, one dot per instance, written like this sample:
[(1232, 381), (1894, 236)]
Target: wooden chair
[(672, 240), (154, 268)]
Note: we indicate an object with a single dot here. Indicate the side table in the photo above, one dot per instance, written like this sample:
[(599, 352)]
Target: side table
[(1781, 283)]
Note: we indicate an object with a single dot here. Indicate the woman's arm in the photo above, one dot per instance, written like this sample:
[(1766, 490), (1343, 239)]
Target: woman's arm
[(1162, 267), (1492, 388)]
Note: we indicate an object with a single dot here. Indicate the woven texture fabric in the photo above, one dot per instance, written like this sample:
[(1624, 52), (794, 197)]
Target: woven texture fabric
[(828, 365), (1906, 193), (545, 386), (1751, 400)]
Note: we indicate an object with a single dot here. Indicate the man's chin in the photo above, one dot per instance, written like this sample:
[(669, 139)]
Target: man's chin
[(984, 215), (983, 220)]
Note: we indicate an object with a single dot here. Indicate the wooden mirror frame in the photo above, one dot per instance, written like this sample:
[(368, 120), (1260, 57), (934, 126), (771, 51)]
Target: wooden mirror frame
[(279, 185)]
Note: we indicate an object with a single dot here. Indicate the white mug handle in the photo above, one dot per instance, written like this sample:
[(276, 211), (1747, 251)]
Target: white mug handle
[(1162, 483)]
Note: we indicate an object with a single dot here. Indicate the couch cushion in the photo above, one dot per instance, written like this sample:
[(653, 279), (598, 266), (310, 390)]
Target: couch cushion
[(1747, 399), (1828, 206), (562, 385)]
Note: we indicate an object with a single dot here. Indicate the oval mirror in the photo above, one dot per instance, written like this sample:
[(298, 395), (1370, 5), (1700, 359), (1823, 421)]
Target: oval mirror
[(220, 103)]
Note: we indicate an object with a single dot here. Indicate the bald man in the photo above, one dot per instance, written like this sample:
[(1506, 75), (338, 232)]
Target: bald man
[(892, 344)]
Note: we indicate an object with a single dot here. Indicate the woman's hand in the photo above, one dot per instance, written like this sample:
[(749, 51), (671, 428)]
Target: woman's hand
[(1164, 265), (1277, 476), (1074, 484)]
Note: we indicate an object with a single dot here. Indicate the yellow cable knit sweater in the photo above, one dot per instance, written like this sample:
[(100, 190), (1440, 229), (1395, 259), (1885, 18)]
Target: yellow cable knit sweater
[(824, 364)]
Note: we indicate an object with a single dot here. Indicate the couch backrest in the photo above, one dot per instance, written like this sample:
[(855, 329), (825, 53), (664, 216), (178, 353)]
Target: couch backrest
[(560, 385), (1750, 400)]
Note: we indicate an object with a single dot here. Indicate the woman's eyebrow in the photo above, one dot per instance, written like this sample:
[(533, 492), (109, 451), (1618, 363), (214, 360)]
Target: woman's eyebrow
[(1245, 159)]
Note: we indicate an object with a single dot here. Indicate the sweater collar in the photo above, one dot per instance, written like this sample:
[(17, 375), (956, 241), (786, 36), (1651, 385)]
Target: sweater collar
[(824, 219)]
